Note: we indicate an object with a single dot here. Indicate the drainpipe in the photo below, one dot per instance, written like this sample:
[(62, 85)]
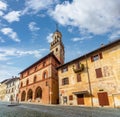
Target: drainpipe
[(89, 81)]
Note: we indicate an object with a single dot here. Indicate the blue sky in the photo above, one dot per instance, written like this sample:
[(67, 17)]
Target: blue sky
[(26, 27)]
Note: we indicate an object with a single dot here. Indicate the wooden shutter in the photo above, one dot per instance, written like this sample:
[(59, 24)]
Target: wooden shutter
[(103, 98), (78, 77), (100, 55), (98, 73), (71, 97), (92, 59), (67, 81)]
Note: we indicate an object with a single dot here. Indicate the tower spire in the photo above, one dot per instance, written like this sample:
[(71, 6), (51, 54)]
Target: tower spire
[(56, 26)]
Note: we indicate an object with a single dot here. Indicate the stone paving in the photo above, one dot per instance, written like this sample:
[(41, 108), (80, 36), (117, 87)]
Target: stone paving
[(32, 110)]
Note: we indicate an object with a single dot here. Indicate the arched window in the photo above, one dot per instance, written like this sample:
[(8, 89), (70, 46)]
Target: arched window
[(45, 75), (23, 95), (35, 78), (27, 82), (21, 84)]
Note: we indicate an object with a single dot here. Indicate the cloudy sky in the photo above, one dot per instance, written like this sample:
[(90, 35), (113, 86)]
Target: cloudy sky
[(26, 27)]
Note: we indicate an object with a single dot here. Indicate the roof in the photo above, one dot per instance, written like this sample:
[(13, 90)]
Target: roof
[(87, 54), (12, 79), (50, 54)]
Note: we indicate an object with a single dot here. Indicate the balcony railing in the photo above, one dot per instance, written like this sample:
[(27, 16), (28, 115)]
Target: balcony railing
[(80, 69)]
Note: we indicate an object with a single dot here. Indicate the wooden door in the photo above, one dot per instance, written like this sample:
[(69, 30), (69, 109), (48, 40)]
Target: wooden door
[(80, 99), (103, 98)]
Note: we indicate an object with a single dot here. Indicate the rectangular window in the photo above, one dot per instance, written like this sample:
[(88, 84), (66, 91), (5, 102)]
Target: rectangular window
[(78, 78), (98, 73), (96, 57), (64, 69), (71, 97), (65, 81)]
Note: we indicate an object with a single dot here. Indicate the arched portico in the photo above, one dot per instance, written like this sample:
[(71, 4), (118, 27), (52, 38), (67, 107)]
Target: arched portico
[(23, 96), (29, 95), (38, 93)]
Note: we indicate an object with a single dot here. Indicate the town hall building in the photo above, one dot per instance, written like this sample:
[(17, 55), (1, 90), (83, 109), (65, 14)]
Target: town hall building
[(39, 82)]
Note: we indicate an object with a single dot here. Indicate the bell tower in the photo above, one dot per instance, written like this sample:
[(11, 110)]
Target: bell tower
[(57, 47)]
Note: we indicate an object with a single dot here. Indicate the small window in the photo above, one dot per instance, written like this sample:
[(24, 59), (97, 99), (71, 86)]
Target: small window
[(27, 82), (71, 97), (35, 78), (96, 57), (21, 84), (27, 72), (45, 75), (12, 90), (56, 49), (98, 73), (78, 78), (64, 69), (65, 81), (44, 64), (35, 68)]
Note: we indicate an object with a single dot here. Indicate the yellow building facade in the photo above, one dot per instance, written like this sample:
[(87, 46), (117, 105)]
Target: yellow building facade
[(92, 79), (3, 87)]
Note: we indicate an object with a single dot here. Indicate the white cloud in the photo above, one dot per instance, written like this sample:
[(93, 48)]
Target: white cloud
[(115, 35), (10, 33), (33, 26), (81, 38), (49, 37), (7, 71), (77, 39), (13, 16), (34, 6), (3, 5), (8, 53), (89, 15)]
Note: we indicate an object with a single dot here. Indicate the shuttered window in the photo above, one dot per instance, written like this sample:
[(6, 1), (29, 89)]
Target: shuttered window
[(71, 97), (78, 78), (64, 69), (96, 57), (98, 73), (65, 81)]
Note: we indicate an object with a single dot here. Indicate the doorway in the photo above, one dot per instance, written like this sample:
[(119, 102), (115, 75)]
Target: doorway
[(103, 99), (80, 99)]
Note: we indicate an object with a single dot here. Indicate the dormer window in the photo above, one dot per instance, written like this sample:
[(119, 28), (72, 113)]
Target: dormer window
[(96, 57), (64, 69)]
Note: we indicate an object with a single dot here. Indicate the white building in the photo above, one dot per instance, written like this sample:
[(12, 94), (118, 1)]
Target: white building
[(12, 89)]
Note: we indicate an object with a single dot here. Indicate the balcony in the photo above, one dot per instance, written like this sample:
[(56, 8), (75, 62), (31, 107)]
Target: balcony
[(79, 68)]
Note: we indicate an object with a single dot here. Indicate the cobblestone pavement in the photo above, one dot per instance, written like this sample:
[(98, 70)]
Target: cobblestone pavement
[(32, 110)]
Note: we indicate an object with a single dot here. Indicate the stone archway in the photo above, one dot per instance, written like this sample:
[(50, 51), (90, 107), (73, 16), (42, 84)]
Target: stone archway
[(23, 96), (29, 95), (38, 93)]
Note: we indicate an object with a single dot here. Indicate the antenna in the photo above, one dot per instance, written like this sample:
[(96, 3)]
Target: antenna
[(56, 26)]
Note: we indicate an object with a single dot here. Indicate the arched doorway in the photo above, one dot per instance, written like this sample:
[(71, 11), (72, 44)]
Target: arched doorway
[(23, 96), (29, 95), (38, 93)]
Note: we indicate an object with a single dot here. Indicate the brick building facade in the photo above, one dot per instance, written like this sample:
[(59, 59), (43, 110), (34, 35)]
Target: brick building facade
[(39, 82)]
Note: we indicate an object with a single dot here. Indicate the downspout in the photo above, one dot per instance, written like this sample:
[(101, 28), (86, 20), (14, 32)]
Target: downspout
[(89, 81)]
